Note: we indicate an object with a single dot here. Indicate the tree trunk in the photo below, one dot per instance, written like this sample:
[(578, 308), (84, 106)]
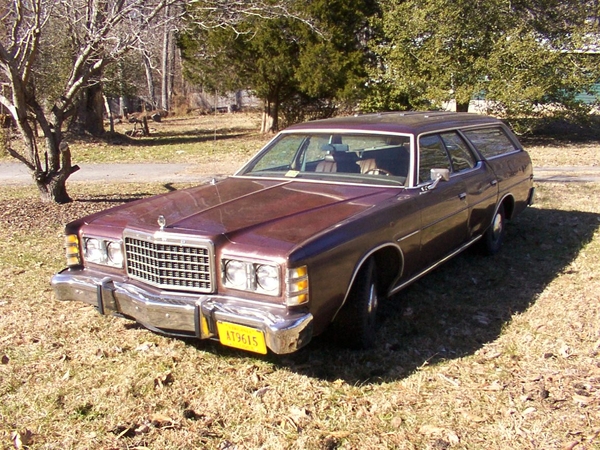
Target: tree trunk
[(269, 117), (149, 79), (54, 190), (111, 120), (166, 58), (90, 111), (462, 106)]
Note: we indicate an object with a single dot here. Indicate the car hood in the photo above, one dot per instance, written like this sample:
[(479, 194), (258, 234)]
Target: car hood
[(273, 212)]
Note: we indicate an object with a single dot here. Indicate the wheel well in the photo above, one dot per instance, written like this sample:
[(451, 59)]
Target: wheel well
[(509, 206), (388, 262)]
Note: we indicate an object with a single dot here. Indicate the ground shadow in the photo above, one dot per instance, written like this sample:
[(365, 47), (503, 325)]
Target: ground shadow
[(165, 137), (463, 305), (454, 311)]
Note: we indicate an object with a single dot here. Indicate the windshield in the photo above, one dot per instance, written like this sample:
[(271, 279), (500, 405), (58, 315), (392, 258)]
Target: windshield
[(362, 158)]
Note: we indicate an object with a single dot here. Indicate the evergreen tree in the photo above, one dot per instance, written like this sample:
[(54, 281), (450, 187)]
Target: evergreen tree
[(299, 68), (518, 54)]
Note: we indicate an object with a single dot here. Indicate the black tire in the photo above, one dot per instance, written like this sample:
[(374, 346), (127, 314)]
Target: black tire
[(494, 235), (356, 324)]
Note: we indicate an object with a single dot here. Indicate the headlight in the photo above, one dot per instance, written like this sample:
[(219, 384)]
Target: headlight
[(236, 274), (267, 277), (93, 251), (249, 276), (114, 251), (103, 251)]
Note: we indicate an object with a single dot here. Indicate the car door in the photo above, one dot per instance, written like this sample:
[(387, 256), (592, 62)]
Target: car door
[(444, 208), (479, 180)]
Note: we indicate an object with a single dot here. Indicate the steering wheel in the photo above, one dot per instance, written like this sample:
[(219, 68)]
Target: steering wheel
[(378, 171)]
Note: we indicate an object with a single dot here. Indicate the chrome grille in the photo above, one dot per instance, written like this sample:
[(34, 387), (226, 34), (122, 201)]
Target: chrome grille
[(170, 261)]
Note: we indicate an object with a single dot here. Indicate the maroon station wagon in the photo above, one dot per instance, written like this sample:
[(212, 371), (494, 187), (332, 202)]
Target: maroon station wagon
[(329, 218)]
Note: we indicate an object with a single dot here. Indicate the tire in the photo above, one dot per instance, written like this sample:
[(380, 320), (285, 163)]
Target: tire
[(356, 324), (494, 235)]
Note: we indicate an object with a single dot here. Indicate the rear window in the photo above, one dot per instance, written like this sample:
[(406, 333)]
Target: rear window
[(491, 142)]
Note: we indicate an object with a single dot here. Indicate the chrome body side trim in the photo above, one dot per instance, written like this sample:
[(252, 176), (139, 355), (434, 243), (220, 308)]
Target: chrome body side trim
[(433, 266)]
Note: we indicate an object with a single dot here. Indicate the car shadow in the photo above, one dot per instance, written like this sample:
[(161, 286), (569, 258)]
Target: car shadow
[(461, 306)]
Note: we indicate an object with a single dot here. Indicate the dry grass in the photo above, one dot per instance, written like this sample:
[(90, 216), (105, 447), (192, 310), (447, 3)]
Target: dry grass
[(190, 139), (568, 154), (482, 354)]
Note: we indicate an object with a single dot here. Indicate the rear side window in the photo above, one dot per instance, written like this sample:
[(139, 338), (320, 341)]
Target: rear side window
[(461, 157), (491, 142)]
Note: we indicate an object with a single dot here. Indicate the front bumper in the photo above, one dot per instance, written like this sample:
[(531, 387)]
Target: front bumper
[(184, 315)]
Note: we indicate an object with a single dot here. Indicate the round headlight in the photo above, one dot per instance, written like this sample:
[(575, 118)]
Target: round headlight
[(93, 250), (235, 273), (267, 277), (114, 253)]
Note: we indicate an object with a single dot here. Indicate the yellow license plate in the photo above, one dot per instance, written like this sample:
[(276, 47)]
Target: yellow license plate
[(242, 337)]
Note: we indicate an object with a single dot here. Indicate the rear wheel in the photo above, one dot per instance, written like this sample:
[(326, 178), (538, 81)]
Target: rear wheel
[(494, 235), (356, 324)]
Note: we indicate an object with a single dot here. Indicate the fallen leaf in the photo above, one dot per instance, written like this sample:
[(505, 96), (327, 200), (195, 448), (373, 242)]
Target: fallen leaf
[(396, 422), (161, 421), (495, 386), (21, 439), (431, 430), (449, 380), (471, 417), (142, 429), (452, 437), (582, 399), (163, 380), (565, 351), (262, 391), (340, 434), (144, 347), (299, 415)]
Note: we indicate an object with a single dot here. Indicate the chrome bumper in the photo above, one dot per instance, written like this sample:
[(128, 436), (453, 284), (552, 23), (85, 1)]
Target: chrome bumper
[(184, 315)]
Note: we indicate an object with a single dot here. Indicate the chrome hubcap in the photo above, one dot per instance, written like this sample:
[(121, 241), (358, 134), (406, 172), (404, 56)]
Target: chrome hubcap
[(372, 304), (497, 226)]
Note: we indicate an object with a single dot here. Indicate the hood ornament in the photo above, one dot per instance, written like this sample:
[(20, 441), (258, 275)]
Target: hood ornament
[(162, 222)]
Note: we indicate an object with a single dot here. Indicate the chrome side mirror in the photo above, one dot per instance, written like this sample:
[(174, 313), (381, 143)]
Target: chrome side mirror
[(437, 175)]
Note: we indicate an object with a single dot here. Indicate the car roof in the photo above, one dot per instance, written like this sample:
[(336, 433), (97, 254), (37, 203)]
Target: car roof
[(408, 122)]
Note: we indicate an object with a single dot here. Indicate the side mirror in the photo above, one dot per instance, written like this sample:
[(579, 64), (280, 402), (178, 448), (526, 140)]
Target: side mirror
[(441, 174), (437, 175)]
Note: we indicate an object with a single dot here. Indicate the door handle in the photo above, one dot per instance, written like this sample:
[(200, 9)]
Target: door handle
[(494, 182), (462, 196)]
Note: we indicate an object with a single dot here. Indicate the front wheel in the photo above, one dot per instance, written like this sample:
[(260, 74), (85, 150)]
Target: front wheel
[(356, 324), (494, 235)]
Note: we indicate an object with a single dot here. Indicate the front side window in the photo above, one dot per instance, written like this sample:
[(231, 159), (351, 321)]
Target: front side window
[(491, 142), (283, 158), (432, 155)]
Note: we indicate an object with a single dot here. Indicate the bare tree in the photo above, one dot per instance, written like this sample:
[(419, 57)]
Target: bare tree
[(230, 13), (102, 32)]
